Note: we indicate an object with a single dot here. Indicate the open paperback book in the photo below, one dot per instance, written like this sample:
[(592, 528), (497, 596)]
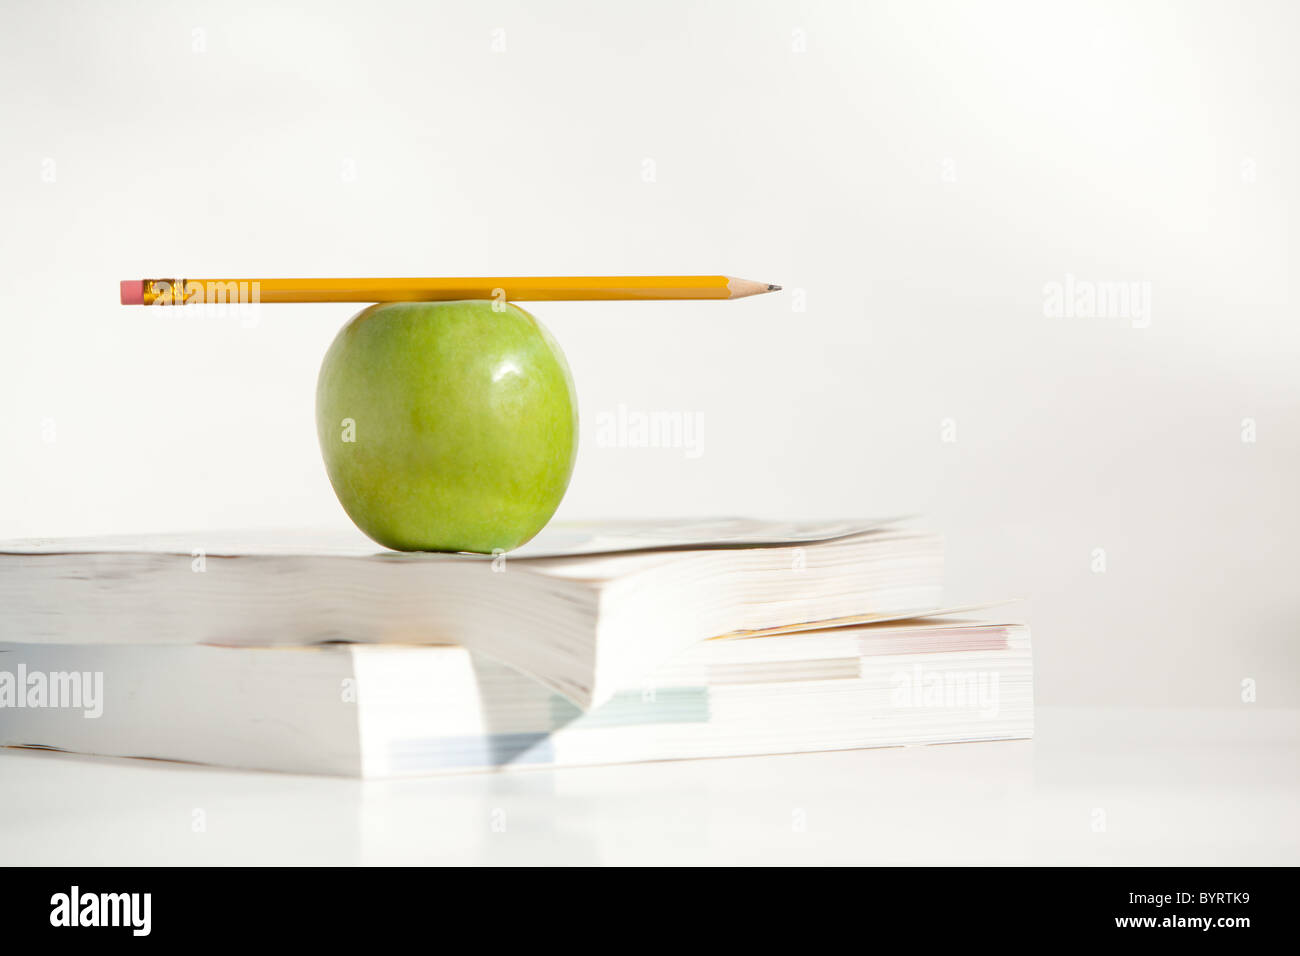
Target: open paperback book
[(383, 711), (584, 609)]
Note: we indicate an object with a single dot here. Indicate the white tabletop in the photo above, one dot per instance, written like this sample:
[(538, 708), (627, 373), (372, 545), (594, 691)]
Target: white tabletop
[(1133, 787)]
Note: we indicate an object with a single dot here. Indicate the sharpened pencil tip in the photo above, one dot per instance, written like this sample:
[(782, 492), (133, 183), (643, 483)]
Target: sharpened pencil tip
[(739, 288)]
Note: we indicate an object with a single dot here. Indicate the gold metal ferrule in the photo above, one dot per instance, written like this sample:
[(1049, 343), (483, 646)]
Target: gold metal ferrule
[(165, 292)]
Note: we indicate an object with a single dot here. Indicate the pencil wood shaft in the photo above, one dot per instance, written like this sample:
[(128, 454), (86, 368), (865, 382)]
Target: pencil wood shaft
[(511, 288)]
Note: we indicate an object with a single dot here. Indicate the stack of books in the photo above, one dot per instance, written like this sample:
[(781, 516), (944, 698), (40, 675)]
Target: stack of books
[(594, 644)]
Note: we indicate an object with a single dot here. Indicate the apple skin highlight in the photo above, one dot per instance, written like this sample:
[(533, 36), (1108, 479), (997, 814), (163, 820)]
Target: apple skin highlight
[(447, 426)]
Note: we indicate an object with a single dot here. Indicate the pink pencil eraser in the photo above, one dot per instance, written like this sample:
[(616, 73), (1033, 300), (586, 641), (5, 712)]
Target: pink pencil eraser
[(133, 292)]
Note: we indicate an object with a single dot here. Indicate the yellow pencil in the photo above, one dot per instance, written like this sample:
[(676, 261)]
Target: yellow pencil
[(515, 289)]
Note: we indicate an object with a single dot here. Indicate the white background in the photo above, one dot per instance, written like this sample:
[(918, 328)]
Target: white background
[(920, 171)]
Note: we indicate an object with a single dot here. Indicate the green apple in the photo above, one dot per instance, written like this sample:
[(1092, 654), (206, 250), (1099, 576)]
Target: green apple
[(447, 426)]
